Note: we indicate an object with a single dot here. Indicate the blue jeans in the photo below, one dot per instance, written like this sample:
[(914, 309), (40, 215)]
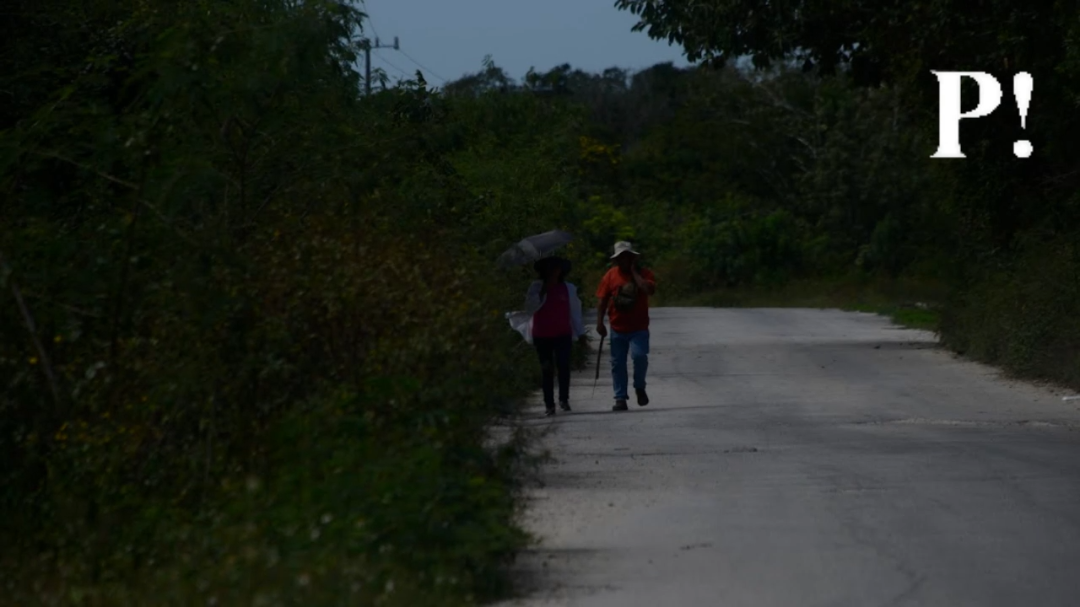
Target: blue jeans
[(637, 345)]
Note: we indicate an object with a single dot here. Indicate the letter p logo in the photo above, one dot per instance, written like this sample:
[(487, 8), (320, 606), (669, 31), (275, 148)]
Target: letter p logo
[(949, 113)]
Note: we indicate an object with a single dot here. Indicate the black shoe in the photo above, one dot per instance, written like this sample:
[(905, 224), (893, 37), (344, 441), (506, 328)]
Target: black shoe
[(620, 405), (564, 405), (642, 398), (550, 411)]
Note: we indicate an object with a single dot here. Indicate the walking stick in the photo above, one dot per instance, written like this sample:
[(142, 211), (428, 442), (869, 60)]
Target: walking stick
[(598, 352)]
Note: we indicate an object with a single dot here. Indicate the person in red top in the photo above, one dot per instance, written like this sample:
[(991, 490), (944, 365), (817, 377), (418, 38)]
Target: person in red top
[(624, 294)]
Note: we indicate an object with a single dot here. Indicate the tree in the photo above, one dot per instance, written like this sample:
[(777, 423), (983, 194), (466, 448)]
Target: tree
[(899, 42)]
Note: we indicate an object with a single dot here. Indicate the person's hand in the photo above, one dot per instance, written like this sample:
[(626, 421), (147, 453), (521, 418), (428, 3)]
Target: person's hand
[(601, 330), (641, 282)]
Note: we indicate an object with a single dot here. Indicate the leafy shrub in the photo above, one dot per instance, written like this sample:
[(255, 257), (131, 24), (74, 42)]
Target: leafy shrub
[(1020, 316)]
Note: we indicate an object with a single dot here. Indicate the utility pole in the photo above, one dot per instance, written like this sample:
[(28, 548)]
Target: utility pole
[(367, 57)]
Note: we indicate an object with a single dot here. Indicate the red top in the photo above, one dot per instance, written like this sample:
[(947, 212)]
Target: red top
[(637, 317), (553, 318)]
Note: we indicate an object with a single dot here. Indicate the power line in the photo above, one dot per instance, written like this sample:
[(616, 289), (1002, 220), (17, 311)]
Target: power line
[(418, 64), (375, 31), (391, 64), (368, 47), (371, 22)]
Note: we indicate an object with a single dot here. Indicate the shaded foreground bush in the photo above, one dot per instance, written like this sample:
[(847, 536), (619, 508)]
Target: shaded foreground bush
[(1022, 315), (223, 485), (253, 342)]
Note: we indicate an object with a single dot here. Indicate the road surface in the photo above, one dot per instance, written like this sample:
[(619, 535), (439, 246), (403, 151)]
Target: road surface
[(806, 458)]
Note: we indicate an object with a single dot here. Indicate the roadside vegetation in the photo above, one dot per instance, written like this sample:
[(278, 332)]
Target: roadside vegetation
[(252, 343), (252, 334)]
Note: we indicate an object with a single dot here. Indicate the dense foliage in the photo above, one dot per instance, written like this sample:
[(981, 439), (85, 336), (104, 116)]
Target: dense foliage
[(729, 178)]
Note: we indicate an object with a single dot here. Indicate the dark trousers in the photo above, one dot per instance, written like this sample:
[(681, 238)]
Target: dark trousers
[(559, 349)]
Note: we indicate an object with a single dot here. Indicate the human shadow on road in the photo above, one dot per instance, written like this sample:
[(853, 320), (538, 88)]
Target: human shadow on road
[(539, 574), (632, 411)]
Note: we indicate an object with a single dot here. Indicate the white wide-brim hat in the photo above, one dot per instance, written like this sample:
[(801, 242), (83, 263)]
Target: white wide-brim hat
[(623, 247)]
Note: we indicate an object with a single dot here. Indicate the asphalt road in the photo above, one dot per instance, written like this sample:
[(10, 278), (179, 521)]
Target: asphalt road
[(805, 458)]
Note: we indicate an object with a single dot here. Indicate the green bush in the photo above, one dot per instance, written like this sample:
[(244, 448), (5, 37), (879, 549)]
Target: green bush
[(733, 245), (1021, 316)]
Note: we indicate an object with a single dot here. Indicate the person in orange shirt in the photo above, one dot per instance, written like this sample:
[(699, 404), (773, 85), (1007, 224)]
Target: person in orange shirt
[(624, 294)]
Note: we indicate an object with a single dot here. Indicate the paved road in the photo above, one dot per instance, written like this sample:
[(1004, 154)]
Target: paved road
[(804, 458)]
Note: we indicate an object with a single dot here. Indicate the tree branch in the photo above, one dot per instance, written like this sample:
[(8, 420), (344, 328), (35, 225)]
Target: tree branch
[(28, 321)]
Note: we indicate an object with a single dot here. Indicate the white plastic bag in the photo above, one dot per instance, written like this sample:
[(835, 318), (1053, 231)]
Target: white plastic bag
[(522, 323)]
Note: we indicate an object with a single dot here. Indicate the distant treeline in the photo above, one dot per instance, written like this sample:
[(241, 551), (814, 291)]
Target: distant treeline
[(729, 178)]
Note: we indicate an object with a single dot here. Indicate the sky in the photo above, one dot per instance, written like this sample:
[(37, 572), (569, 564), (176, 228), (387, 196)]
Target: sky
[(447, 39)]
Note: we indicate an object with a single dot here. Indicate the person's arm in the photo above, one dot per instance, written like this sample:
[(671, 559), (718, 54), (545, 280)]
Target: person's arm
[(603, 296), (645, 281), (601, 308), (575, 312), (534, 297)]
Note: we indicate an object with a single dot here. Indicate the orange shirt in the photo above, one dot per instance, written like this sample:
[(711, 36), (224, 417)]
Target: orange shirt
[(637, 317)]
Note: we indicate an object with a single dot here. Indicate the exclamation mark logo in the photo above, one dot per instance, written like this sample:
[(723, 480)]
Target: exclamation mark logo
[(1022, 86)]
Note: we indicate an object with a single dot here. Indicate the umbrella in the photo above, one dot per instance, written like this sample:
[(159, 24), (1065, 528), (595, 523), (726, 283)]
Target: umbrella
[(533, 248)]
